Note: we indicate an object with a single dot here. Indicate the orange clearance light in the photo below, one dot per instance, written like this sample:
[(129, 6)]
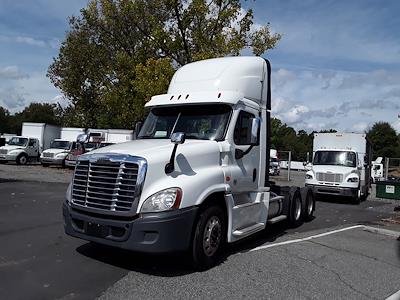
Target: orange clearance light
[(228, 178)]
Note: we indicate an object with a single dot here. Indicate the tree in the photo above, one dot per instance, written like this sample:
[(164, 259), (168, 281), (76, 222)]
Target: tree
[(4, 120), (35, 112), (120, 52), (384, 139)]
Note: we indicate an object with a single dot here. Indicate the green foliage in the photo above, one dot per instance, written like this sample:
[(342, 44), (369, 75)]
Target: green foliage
[(385, 141), (4, 120), (118, 53)]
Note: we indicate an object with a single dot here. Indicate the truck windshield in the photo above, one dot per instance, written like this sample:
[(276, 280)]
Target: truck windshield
[(335, 158), (17, 141), (205, 122), (60, 145)]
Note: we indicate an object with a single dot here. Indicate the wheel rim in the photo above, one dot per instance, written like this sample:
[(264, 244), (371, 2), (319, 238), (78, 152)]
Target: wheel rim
[(22, 160), (310, 205), (212, 236), (297, 211)]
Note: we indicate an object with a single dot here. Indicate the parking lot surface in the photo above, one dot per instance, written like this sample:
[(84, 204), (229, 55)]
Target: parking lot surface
[(38, 261)]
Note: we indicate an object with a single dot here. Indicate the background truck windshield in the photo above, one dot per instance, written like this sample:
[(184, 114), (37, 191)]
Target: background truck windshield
[(60, 145), (335, 158), (16, 141), (206, 122)]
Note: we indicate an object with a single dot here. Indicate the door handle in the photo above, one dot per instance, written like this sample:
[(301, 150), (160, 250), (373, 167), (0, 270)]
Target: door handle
[(254, 174)]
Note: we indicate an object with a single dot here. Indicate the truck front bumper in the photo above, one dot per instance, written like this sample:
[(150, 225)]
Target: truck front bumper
[(8, 157), (150, 233), (334, 190), (52, 161)]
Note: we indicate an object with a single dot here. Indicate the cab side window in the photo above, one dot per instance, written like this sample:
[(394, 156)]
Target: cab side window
[(32, 143), (242, 133)]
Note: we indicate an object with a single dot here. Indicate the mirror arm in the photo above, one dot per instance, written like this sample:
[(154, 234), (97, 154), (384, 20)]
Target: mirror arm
[(170, 167), (240, 153)]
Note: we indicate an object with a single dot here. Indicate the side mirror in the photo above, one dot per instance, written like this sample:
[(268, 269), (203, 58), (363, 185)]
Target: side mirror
[(82, 138), (255, 128), (178, 138)]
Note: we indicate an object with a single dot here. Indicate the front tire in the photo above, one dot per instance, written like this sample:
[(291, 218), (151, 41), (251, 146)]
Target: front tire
[(209, 238), (22, 159)]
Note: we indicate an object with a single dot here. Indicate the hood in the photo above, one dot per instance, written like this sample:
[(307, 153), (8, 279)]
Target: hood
[(193, 152), (9, 148), (333, 169), (55, 151)]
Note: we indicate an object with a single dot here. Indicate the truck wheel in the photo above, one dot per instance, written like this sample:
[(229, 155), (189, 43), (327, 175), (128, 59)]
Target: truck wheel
[(309, 207), (357, 198), (295, 211), (22, 159), (208, 238)]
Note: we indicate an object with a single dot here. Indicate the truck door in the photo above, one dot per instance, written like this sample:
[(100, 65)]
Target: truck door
[(244, 170), (33, 148)]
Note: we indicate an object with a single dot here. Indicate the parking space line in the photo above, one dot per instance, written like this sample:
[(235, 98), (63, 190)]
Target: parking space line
[(395, 296), (367, 228)]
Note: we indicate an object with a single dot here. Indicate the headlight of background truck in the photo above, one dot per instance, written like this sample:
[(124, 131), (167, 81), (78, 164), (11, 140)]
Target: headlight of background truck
[(352, 179), (309, 176), (167, 199)]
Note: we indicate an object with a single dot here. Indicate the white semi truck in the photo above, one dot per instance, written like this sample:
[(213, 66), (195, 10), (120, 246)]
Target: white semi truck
[(197, 175), (34, 138), (341, 165)]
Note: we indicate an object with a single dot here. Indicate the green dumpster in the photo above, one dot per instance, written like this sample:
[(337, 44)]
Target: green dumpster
[(388, 189)]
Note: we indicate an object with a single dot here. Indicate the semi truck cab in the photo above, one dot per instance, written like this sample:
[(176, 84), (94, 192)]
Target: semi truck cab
[(197, 175)]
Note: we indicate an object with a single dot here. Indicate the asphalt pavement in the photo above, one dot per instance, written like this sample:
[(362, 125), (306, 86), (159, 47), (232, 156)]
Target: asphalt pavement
[(38, 261)]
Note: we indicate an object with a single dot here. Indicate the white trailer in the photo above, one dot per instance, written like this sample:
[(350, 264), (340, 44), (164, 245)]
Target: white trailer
[(45, 133), (341, 165), (71, 133), (197, 175), (119, 136)]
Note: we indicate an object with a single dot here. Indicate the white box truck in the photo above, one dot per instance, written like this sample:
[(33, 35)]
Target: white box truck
[(34, 138), (341, 165), (119, 136), (60, 148), (197, 175)]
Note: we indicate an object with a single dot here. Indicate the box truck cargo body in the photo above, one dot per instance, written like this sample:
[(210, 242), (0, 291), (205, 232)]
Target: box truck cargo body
[(196, 177), (70, 133), (341, 165)]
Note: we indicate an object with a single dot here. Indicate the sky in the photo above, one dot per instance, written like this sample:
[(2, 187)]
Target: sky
[(336, 66)]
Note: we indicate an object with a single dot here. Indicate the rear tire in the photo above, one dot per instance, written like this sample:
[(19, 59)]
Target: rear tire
[(22, 159), (209, 238), (357, 198), (309, 208), (295, 211)]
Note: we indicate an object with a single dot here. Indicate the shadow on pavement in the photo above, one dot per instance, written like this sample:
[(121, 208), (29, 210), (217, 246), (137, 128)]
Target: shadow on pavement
[(171, 265)]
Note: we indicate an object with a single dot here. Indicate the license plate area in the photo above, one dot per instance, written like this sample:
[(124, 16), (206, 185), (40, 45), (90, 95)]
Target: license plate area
[(97, 230)]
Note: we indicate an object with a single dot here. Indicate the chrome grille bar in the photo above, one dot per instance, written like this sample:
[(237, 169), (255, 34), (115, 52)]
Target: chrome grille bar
[(110, 183)]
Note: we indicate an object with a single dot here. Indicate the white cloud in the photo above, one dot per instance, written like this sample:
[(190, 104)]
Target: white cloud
[(11, 72), (360, 127)]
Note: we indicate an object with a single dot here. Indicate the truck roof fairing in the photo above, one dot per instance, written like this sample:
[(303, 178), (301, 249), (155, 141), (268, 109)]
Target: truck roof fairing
[(223, 97)]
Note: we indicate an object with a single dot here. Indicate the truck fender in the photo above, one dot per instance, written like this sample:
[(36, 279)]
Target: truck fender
[(222, 187)]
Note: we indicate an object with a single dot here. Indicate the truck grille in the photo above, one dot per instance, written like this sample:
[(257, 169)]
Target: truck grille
[(106, 185), (3, 151), (330, 177), (48, 155)]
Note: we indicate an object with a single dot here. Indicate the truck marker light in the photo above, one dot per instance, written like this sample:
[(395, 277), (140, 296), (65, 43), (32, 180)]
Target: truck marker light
[(228, 178)]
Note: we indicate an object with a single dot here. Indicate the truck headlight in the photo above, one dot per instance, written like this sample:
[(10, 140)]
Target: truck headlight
[(167, 199), (309, 176), (352, 179)]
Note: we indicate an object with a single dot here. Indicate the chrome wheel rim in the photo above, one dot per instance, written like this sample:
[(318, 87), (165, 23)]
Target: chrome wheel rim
[(297, 211), (22, 160), (212, 236)]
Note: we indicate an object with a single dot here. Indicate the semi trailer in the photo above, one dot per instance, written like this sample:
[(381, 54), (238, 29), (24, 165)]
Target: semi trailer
[(196, 177)]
